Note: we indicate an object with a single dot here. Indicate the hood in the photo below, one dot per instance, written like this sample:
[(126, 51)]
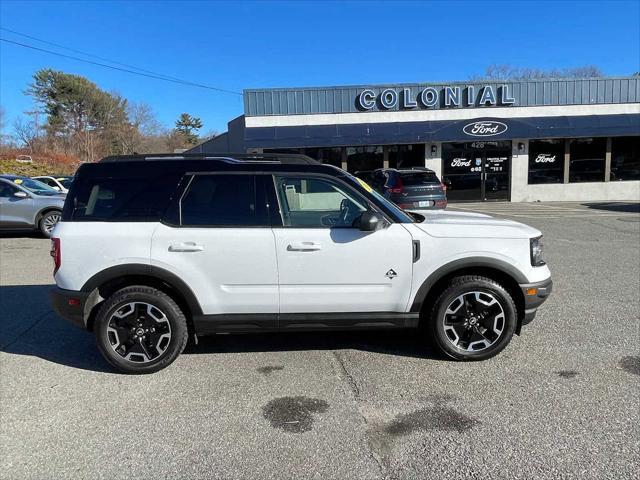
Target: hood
[(442, 223)]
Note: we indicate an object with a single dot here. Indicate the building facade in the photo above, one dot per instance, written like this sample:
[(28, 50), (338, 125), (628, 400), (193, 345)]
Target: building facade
[(565, 139)]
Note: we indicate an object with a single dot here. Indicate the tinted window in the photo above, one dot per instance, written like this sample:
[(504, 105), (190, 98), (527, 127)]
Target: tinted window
[(6, 190), (364, 158), (120, 199), (403, 156), (587, 159), (625, 158), (317, 202), (546, 161), (223, 200), (419, 178)]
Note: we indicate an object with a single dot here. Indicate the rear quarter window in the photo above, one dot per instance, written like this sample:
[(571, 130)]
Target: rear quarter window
[(120, 199)]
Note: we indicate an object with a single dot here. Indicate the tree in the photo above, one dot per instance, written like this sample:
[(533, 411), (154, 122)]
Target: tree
[(80, 116), (26, 132), (186, 127), (508, 72)]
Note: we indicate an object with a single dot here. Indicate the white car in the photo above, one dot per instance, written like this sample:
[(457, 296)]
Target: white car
[(59, 183), (154, 250)]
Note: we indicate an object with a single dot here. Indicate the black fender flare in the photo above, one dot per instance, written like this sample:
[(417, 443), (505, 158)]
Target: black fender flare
[(462, 263), (158, 273)]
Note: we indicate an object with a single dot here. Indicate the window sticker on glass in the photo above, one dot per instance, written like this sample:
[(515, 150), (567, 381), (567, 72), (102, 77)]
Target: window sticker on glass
[(364, 184)]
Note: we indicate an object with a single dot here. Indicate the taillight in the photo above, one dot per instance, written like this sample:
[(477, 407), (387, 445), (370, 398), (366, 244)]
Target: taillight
[(56, 254), (444, 187), (399, 186)]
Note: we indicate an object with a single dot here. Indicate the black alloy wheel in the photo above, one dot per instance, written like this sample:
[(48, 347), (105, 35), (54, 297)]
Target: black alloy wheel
[(474, 318)]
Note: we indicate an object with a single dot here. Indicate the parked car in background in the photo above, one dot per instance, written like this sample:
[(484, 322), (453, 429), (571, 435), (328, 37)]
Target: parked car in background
[(59, 183), (414, 189), (27, 204)]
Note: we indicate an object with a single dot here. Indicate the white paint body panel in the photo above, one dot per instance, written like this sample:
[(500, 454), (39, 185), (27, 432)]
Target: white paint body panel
[(90, 247), (253, 270), (347, 273), (235, 272)]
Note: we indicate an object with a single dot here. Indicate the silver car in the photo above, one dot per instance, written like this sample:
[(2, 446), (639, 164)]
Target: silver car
[(27, 204)]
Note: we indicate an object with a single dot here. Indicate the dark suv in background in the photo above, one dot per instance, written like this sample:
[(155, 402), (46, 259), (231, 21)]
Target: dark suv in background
[(417, 188)]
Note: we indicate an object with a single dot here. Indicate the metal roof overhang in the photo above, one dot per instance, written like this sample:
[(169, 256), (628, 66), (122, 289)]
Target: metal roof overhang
[(440, 131)]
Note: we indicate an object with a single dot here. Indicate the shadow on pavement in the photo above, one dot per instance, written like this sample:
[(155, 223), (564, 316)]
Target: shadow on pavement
[(21, 234), (30, 327), (615, 206), (404, 343)]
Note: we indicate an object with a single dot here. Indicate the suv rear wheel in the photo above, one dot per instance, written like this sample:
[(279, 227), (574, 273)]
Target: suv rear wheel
[(140, 329), (473, 319)]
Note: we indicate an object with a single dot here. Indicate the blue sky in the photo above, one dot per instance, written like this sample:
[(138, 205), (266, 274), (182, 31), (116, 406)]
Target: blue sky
[(238, 45)]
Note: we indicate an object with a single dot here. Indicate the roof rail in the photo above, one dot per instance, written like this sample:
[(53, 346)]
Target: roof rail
[(283, 158)]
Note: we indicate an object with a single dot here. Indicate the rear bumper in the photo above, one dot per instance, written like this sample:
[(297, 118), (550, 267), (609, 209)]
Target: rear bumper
[(69, 304), (413, 203), (535, 294)]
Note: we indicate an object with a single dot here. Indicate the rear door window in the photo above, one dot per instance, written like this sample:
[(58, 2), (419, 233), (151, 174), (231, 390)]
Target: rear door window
[(215, 200)]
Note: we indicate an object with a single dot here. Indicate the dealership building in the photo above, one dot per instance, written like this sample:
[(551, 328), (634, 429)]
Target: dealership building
[(564, 139)]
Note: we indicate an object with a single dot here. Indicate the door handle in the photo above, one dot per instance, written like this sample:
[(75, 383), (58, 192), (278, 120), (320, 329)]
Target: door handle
[(303, 247), (186, 247)]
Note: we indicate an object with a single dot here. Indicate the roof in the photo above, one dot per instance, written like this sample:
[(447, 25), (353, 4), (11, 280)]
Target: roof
[(135, 166), (281, 158)]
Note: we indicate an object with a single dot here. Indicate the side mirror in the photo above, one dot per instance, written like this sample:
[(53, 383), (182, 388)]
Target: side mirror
[(21, 195), (56, 188), (368, 221)]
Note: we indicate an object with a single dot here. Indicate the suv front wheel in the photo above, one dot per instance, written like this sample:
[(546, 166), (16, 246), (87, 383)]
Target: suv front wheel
[(140, 329), (473, 319)]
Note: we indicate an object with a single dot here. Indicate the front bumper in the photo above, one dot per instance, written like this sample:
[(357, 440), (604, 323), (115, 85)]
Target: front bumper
[(535, 294), (70, 305)]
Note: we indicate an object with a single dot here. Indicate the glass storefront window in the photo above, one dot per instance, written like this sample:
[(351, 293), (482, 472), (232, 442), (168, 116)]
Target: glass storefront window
[(625, 158), (406, 156), (364, 158), (586, 162), (329, 155), (546, 161)]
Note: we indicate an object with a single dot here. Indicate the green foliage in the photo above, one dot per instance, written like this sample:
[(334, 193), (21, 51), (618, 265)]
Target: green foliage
[(74, 104), (186, 127)]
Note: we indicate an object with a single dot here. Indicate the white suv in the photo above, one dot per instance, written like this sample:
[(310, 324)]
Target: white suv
[(154, 250)]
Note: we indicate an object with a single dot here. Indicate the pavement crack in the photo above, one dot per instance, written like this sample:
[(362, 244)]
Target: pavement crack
[(347, 377)]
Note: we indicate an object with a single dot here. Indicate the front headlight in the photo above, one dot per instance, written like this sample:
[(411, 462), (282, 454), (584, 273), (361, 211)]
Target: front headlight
[(536, 252)]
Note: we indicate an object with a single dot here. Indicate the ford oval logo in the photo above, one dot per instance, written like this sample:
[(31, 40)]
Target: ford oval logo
[(484, 129)]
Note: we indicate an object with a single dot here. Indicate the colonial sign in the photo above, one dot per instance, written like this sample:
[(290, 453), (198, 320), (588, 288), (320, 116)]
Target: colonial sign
[(484, 128), (455, 96)]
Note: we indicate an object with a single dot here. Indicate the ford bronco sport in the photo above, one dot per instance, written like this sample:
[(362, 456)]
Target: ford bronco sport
[(154, 250)]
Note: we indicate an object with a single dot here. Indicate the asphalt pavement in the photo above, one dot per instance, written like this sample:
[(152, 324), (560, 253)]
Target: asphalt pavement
[(562, 401)]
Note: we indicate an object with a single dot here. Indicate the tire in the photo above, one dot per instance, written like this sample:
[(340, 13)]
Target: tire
[(474, 318), (48, 221), (140, 329)]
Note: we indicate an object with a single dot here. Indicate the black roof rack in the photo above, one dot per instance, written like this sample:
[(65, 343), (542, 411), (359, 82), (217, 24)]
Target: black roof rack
[(281, 158)]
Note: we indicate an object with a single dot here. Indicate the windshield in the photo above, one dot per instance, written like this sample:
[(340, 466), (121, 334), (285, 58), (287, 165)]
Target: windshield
[(400, 214), (35, 186)]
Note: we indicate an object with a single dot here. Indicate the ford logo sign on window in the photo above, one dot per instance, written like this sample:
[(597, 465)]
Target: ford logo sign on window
[(484, 129)]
